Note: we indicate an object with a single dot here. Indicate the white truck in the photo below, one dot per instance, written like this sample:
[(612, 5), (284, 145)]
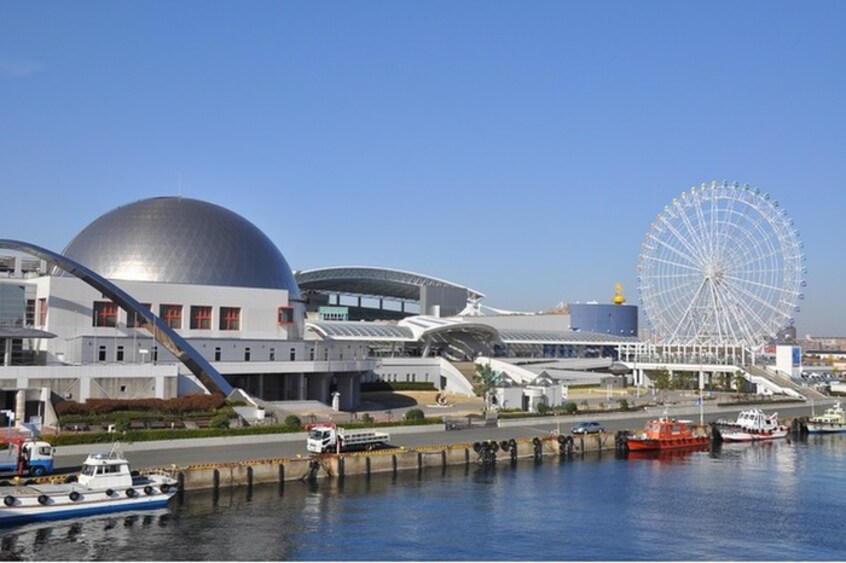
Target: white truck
[(326, 437)]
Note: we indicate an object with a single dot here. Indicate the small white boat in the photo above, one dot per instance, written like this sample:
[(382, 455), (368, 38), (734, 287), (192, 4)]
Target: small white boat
[(105, 484), (751, 426), (833, 420)]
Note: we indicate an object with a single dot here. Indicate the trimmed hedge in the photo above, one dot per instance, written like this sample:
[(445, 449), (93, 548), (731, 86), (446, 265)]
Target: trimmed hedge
[(177, 406), (758, 402), (397, 386)]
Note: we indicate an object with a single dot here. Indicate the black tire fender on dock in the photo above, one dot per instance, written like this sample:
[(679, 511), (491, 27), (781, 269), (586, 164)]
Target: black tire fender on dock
[(494, 446), (9, 500), (109, 492), (536, 441), (43, 499), (74, 496), (131, 493), (477, 446), (148, 490), (165, 488)]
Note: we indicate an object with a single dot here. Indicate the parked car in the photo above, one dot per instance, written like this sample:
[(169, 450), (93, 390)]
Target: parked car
[(588, 428)]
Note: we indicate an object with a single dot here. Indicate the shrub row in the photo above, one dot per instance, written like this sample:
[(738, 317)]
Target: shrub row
[(177, 406), (397, 386)]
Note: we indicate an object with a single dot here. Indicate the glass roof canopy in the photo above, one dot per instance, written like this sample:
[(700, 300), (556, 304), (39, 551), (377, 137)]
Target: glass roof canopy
[(372, 282), (362, 331), (562, 337), (333, 330)]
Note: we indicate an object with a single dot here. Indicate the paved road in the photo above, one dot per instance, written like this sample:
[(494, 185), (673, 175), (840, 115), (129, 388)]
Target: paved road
[(187, 452)]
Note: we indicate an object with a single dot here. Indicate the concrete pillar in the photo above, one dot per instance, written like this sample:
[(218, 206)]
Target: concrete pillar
[(160, 386), (302, 394), (7, 351), (84, 389), (20, 407)]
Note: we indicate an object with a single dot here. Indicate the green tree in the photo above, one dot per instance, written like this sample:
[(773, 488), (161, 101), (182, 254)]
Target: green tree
[(293, 420), (570, 407), (486, 380), (739, 382), (661, 379), (415, 414)]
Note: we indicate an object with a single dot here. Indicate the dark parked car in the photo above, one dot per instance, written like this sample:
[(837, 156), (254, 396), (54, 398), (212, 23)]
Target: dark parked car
[(588, 428)]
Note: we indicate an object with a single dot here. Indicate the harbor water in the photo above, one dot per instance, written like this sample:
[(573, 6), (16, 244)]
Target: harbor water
[(775, 501)]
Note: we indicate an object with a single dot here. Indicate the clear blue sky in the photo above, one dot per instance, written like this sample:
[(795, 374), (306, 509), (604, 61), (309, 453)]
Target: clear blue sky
[(519, 148)]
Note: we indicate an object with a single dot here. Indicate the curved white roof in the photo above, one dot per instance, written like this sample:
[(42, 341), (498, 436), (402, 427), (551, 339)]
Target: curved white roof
[(373, 281), (415, 328)]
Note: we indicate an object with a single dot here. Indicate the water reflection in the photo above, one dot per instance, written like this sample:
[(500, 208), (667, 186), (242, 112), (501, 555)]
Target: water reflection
[(679, 455), (81, 539), (666, 505)]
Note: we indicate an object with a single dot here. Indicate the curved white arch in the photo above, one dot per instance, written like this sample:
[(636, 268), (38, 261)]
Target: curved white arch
[(166, 336)]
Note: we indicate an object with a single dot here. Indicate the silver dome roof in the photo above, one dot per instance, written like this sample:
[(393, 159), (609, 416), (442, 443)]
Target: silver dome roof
[(181, 240)]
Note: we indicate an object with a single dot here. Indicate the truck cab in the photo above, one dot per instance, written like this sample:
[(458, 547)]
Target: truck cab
[(322, 439), (27, 457)]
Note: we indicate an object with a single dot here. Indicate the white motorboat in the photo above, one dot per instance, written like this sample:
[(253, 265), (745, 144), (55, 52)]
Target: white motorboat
[(750, 426), (833, 420), (105, 484)]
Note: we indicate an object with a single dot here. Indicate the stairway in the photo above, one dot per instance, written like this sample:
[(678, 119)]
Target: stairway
[(468, 370), (786, 382)]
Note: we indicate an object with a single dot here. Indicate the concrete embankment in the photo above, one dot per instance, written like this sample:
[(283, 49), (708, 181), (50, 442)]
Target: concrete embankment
[(254, 472), (279, 470)]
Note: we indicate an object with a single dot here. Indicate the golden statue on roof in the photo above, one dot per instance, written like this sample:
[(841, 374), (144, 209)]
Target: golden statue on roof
[(618, 295)]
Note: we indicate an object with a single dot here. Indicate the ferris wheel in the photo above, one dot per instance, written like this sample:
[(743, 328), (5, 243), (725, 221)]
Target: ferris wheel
[(721, 265)]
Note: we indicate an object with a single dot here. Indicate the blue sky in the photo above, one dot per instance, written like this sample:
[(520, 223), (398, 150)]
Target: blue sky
[(519, 148)]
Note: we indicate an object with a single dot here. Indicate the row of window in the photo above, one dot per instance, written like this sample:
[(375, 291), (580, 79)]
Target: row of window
[(105, 314), (120, 355)]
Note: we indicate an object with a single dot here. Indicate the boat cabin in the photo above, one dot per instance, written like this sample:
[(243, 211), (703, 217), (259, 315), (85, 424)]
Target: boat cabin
[(101, 471), (755, 419), (666, 428), (833, 415)]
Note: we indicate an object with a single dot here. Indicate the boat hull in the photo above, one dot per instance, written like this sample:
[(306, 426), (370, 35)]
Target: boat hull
[(649, 444), (51, 501), (825, 428), (59, 511), (751, 436)]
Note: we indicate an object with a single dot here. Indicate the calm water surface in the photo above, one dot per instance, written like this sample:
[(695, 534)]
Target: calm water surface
[(778, 501)]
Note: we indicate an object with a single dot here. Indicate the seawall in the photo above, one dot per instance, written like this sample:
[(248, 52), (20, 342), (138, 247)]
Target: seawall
[(281, 470)]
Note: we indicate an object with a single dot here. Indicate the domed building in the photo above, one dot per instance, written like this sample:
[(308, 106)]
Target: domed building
[(181, 241), (224, 302)]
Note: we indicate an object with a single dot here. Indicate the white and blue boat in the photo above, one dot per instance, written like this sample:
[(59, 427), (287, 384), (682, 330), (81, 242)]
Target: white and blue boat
[(105, 484)]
